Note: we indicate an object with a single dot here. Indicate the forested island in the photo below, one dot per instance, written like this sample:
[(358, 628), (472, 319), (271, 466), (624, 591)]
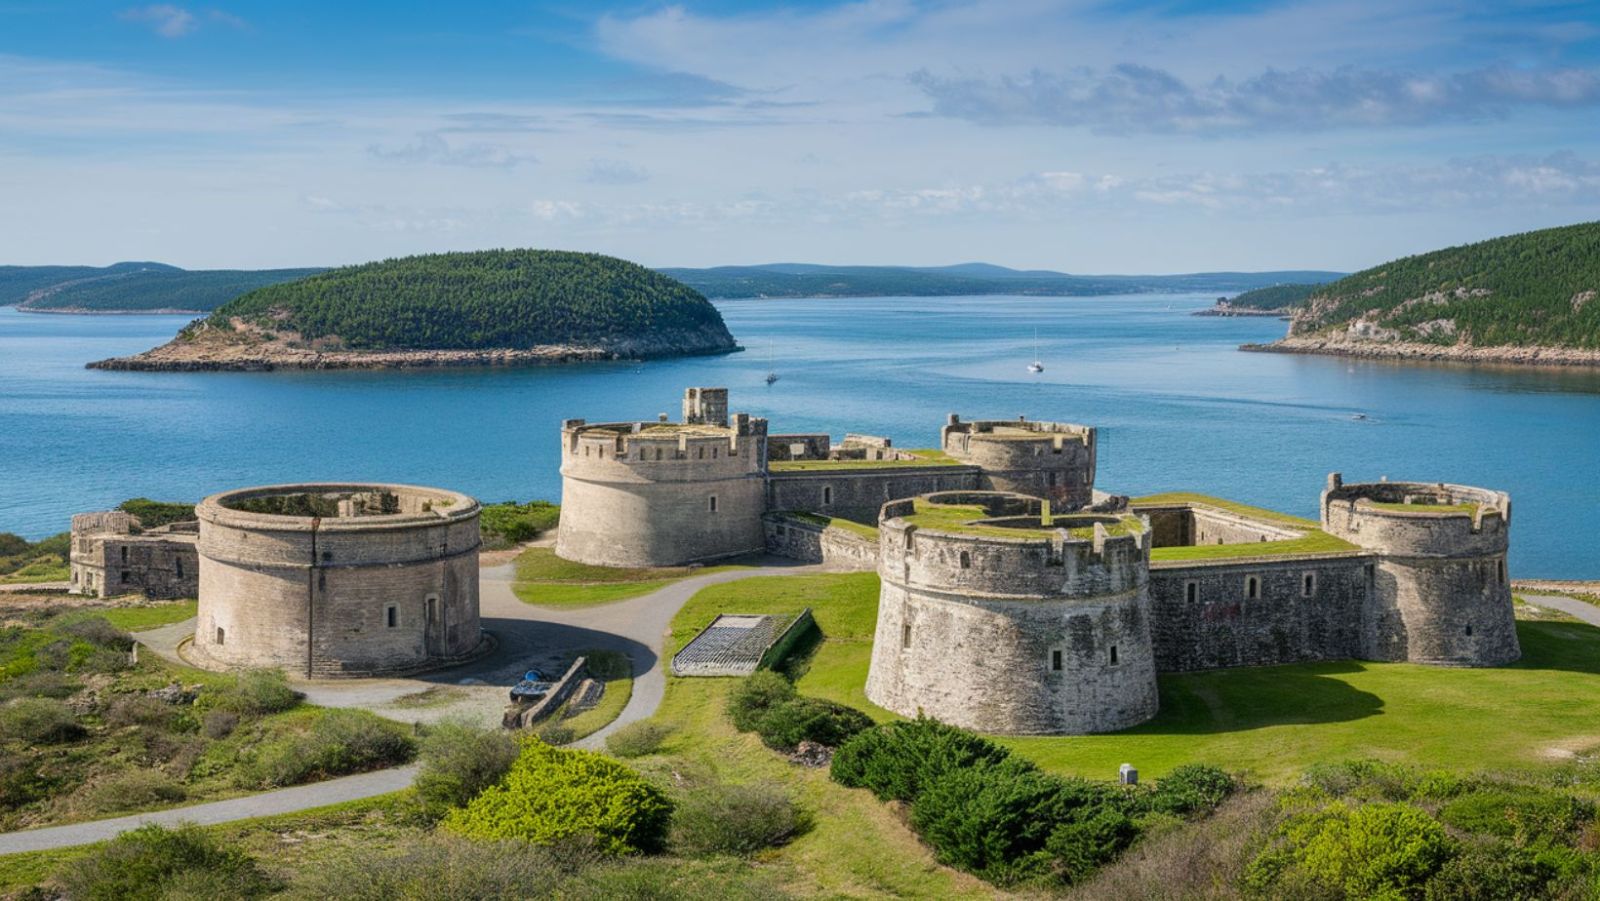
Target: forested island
[(132, 287), (492, 307), (1525, 298)]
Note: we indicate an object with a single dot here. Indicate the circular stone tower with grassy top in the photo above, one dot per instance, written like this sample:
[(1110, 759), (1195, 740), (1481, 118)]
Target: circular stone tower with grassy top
[(1440, 591), (664, 493), (333, 580), (1054, 460), (998, 616)]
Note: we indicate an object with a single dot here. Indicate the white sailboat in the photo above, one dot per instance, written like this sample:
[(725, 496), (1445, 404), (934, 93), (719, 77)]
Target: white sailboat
[(1036, 366), (772, 374)]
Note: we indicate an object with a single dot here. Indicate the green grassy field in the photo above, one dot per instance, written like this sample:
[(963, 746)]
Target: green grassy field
[(1270, 722), (545, 580), (1191, 497)]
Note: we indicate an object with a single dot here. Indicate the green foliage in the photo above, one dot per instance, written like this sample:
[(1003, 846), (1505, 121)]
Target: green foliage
[(1079, 847), (38, 721), (253, 692), (340, 742), (1275, 297), (637, 739), (155, 514), (755, 696), (40, 561), (1190, 789), (719, 818), (1524, 814), (484, 299), (1496, 873), (510, 523), (1379, 850), (1525, 289), (163, 288), (460, 760), (1363, 779), (896, 760), (138, 789), (992, 819), (152, 862), (446, 868), (558, 794), (828, 723)]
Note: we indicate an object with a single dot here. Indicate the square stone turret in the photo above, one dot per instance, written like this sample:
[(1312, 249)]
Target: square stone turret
[(705, 406)]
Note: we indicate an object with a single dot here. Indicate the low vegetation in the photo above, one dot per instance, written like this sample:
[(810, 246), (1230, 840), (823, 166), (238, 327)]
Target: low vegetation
[(509, 523), (637, 739), (24, 561), (766, 703), (155, 514), (135, 287), (615, 672), (546, 580), (1275, 297)]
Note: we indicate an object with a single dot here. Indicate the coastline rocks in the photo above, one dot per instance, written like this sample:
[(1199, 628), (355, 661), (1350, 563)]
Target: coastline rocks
[(1458, 353)]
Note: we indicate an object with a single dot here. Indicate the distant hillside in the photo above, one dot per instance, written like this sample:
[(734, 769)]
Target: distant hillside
[(152, 287), (1277, 297), (485, 307), (1530, 297), (808, 280), (17, 282)]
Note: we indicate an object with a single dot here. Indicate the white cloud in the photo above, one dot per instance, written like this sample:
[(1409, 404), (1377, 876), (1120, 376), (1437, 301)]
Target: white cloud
[(604, 171), (168, 20), (433, 148)]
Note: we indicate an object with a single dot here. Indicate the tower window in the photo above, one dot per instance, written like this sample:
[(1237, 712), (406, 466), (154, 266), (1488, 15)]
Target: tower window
[(966, 560), (1469, 630), (1055, 661), (1191, 592), (124, 553), (391, 616), (905, 635), (1252, 587), (1308, 584), (1050, 480), (126, 578), (1113, 655), (322, 580), (712, 503), (827, 494), (1501, 566), (178, 562), (221, 635)]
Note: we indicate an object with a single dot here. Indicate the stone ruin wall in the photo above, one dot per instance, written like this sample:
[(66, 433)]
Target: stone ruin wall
[(859, 495), (975, 645), (837, 548), (314, 595), (107, 559), (1056, 461)]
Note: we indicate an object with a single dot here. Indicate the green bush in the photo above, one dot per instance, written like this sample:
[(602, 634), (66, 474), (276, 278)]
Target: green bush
[(638, 739), (513, 523), (23, 780), (755, 695), (1377, 850), (155, 514), (219, 724), (1080, 846), (894, 761), (142, 710), (1498, 873), (340, 742), (38, 721), (147, 862), (460, 760), (98, 631), (556, 733), (787, 724), (134, 789), (1371, 780), (445, 868), (992, 819), (255, 692), (1190, 789), (555, 794), (718, 818), (1524, 814)]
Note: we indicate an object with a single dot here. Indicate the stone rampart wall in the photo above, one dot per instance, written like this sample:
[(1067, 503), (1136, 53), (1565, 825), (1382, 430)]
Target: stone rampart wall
[(859, 494), (809, 542)]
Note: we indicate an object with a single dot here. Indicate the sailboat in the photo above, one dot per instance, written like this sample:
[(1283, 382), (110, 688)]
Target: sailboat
[(772, 374), (1036, 366)]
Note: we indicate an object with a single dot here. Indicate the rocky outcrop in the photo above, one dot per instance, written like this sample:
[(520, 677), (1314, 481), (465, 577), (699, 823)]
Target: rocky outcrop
[(1403, 350), (215, 351)]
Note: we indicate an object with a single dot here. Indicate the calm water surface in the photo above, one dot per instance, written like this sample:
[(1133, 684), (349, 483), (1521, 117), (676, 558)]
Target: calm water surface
[(1177, 406)]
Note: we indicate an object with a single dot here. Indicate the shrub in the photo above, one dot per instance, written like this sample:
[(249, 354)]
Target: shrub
[(1364, 779), (638, 739), (894, 761), (1081, 846), (734, 819), (23, 780), (98, 631), (655, 879), (787, 724), (460, 760), (148, 861), (513, 523), (556, 734), (1491, 874), (134, 789), (39, 685), (219, 724), (555, 794), (1522, 813), (1382, 849), (1190, 789), (992, 819), (445, 867), (38, 721), (141, 710), (755, 695), (155, 514), (255, 692), (339, 742)]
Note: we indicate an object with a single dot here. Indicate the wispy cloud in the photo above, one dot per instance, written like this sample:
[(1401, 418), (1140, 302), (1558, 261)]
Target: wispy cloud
[(604, 171), (432, 148), (1132, 98), (168, 20)]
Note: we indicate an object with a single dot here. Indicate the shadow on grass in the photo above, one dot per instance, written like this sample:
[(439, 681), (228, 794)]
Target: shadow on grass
[(1572, 647), (1239, 700)]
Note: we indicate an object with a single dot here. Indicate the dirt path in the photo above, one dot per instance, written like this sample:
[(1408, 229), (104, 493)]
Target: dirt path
[(1572, 607)]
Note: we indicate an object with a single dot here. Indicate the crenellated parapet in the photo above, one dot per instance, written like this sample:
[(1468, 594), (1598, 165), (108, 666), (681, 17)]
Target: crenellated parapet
[(998, 615), (1441, 593), (1054, 460)]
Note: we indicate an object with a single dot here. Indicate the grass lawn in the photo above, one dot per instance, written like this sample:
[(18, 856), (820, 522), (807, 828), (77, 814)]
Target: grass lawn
[(1426, 508), (49, 568), (1173, 498), (817, 519), (1314, 541), (1268, 721), (545, 580), (146, 616)]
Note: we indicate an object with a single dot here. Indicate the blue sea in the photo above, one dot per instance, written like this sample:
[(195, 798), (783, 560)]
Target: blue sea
[(1177, 406)]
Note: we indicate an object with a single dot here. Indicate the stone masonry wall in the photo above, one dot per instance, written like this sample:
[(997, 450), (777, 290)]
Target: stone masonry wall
[(859, 494), (808, 542)]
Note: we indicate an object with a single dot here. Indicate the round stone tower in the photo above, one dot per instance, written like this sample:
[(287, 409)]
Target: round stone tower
[(663, 493), (1054, 460), (1439, 589), (997, 616), (330, 580)]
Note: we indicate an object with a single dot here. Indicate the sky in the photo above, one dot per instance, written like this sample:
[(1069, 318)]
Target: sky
[(1143, 136)]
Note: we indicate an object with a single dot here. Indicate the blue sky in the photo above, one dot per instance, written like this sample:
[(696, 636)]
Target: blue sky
[(1081, 136)]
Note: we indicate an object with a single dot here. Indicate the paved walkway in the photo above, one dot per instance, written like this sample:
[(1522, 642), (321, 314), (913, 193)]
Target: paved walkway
[(1572, 607), (24, 587), (635, 627)]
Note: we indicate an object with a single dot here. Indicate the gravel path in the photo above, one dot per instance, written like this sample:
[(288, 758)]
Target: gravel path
[(635, 627), (1572, 607)]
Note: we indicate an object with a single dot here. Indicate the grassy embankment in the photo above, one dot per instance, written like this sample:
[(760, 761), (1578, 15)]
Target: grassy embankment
[(545, 580), (1312, 541), (924, 457)]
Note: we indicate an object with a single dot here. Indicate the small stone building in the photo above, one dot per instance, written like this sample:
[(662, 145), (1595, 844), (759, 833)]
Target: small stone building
[(112, 554)]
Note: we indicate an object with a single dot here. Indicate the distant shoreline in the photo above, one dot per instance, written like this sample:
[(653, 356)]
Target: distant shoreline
[(83, 311), (1568, 357)]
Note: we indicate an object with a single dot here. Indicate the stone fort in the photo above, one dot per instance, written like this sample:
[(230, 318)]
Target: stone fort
[(1016, 597)]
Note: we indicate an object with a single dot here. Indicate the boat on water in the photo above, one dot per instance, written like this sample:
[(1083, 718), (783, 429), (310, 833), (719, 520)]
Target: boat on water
[(772, 377), (1036, 366), (772, 374)]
